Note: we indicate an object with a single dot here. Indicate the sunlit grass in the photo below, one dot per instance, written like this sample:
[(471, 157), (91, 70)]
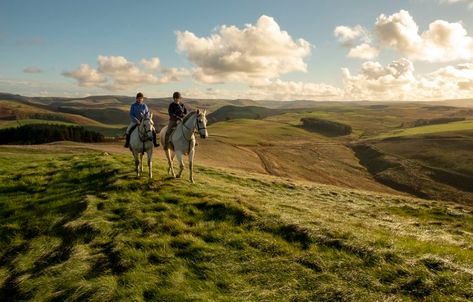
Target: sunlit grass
[(430, 129), (82, 227)]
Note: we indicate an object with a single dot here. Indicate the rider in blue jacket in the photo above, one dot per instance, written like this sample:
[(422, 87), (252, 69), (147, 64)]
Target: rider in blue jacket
[(138, 111)]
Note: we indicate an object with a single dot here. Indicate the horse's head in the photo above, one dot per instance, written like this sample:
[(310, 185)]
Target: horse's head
[(201, 123), (147, 126)]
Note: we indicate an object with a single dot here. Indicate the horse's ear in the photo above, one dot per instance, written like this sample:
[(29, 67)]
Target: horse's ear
[(198, 111)]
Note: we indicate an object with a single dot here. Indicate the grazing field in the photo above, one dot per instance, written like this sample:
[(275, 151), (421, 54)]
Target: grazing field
[(269, 137), (79, 225), (430, 129)]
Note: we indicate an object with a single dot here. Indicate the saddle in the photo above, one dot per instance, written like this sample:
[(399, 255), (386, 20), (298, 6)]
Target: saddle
[(133, 128), (168, 142)]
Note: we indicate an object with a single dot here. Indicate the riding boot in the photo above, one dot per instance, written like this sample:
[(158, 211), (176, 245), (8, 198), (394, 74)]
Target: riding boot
[(166, 141), (127, 142), (155, 142)]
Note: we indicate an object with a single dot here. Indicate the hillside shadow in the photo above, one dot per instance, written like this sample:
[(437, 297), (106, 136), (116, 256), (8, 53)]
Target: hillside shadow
[(62, 200)]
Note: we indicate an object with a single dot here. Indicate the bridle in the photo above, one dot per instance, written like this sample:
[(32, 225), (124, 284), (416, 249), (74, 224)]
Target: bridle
[(196, 125), (143, 131)]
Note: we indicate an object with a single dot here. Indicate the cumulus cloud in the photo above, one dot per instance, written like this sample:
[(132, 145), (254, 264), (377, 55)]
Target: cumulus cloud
[(253, 54), (442, 42), (397, 81), (347, 35), (358, 40), (153, 64), (32, 69), (380, 82), (363, 51), (86, 76), (448, 82), (116, 73)]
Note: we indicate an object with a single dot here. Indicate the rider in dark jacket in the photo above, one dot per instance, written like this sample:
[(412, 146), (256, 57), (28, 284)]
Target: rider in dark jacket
[(177, 111)]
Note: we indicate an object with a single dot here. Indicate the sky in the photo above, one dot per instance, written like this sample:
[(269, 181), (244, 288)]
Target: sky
[(268, 49)]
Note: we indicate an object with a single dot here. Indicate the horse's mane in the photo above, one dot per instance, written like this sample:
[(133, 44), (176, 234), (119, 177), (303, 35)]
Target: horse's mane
[(188, 116)]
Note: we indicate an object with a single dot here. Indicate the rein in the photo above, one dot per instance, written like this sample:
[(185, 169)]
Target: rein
[(196, 125), (142, 130)]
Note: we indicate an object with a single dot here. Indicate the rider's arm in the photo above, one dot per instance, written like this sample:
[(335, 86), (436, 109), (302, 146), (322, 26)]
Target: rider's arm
[(172, 112), (133, 114)]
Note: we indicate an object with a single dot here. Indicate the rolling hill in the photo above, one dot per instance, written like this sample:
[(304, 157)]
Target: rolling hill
[(270, 139), (79, 225), (278, 213)]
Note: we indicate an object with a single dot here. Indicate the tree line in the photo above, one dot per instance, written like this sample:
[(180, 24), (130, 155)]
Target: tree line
[(329, 128), (46, 133)]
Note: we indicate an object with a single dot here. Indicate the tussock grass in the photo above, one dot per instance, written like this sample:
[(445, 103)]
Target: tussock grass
[(82, 227)]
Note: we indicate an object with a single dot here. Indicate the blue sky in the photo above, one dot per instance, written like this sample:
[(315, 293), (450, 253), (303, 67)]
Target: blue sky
[(44, 43)]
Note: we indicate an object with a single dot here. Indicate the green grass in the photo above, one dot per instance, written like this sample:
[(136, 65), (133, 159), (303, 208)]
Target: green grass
[(430, 129), (16, 123), (82, 227), (107, 130), (254, 132)]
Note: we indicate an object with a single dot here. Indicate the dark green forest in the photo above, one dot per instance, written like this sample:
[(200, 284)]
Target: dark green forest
[(45, 133)]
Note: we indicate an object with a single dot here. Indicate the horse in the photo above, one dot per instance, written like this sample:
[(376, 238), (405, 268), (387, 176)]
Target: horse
[(183, 141), (141, 141)]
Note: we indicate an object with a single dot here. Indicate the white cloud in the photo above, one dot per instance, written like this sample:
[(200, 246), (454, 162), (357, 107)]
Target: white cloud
[(116, 73), (253, 54), (347, 35), (397, 81), (363, 51), (152, 64), (292, 90), (274, 90), (32, 69), (358, 40), (449, 82), (378, 82), (442, 42), (86, 76), (123, 74), (174, 74)]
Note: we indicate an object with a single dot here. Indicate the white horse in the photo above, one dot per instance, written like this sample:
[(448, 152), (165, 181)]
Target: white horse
[(141, 141), (183, 141)]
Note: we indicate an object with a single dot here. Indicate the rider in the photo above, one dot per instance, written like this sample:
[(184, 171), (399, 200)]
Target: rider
[(138, 110), (177, 111)]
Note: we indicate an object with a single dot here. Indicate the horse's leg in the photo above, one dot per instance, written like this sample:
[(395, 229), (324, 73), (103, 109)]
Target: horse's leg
[(137, 162), (150, 163), (180, 160), (170, 168), (191, 165), (141, 162)]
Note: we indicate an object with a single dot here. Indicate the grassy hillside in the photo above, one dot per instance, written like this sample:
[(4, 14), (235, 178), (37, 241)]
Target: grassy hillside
[(16, 123), (285, 150), (82, 227), (273, 141), (13, 110), (466, 125), (230, 112)]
